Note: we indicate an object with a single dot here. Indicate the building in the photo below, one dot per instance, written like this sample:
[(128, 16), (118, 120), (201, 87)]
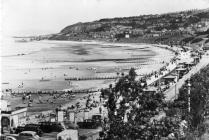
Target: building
[(11, 118)]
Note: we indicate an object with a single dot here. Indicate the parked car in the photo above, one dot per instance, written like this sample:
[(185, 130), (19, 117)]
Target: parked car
[(88, 124), (28, 135), (29, 127), (3, 137), (19, 129), (70, 125), (33, 127), (48, 127)]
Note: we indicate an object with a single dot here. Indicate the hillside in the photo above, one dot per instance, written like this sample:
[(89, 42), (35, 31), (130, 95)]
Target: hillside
[(164, 28)]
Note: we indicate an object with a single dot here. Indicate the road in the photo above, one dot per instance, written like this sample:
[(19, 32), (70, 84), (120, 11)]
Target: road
[(173, 91)]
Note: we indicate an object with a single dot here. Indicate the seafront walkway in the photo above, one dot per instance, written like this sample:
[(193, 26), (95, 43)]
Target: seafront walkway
[(167, 68), (172, 92), (170, 67)]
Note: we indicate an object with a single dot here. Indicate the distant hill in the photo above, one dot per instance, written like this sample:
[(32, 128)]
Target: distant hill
[(154, 28)]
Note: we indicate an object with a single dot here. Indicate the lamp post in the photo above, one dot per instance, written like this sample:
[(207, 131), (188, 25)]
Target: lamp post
[(189, 91), (175, 91)]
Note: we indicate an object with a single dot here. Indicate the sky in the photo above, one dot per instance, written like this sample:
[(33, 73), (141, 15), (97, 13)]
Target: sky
[(33, 17)]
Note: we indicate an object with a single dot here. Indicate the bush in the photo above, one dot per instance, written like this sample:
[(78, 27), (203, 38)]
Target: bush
[(198, 96), (187, 40), (207, 40)]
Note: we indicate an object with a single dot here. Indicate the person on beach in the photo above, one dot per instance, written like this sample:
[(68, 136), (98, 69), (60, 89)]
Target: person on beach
[(23, 98), (100, 110), (100, 98)]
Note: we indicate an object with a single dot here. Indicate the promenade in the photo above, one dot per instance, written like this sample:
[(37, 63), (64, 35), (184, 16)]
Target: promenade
[(172, 92)]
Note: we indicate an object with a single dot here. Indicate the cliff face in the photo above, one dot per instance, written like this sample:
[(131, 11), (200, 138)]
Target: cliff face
[(81, 27)]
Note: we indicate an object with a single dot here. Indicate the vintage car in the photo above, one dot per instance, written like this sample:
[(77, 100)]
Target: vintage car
[(28, 135), (4, 137), (29, 127), (48, 127)]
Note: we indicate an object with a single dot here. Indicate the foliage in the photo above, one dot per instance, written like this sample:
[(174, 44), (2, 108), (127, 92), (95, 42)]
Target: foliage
[(127, 98), (203, 15), (196, 40), (187, 40), (132, 74), (207, 40), (199, 95), (203, 33)]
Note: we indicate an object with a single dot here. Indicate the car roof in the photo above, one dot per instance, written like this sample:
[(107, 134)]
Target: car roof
[(11, 137)]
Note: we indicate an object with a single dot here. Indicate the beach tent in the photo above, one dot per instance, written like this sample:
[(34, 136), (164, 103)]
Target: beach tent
[(170, 78), (189, 63)]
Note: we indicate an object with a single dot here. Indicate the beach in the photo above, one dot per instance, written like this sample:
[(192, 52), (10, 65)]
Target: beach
[(44, 65)]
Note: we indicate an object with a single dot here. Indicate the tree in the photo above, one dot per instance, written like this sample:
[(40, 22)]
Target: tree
[(127, 100), (132, 74), (198, 97)]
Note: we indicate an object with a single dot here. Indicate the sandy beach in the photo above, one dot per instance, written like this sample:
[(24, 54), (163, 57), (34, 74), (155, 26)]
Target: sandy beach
[(53, 61)]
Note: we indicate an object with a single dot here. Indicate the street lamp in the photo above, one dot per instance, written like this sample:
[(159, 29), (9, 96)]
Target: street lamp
[(189, 91)]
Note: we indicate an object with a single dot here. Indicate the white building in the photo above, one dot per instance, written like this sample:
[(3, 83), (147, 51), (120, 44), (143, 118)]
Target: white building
[(11, 118)]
